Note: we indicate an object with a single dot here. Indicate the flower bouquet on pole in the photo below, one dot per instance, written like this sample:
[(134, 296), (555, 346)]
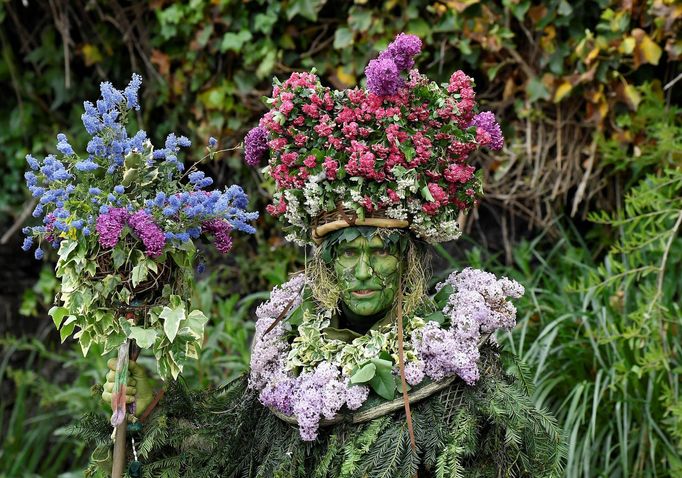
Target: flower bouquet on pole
[(124, 218)]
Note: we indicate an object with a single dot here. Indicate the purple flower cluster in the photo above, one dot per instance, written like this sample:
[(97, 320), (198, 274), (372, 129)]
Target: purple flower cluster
[(402, 51), (383, 77), (220, 229), (486, 121), (255, 146), (477, 305), (267, 356), (110, 225), (309, 396), (444, 353), (149, 233), (383, 73)]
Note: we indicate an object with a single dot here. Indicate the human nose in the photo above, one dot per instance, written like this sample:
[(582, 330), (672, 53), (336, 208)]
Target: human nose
[(363, 270)]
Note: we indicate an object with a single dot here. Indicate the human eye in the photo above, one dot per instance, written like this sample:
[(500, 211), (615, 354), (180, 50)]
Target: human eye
[(381, 252), (348, 253)]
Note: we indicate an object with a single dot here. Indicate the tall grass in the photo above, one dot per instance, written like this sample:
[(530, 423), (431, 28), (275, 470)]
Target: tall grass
[(34, 418), (600, 362)]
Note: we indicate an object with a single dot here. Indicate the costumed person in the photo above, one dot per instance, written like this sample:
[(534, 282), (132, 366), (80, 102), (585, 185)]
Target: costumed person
[(356, 370)]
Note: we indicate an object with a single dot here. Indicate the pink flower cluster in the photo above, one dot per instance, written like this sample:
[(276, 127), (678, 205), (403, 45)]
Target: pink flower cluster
[(367, 140)]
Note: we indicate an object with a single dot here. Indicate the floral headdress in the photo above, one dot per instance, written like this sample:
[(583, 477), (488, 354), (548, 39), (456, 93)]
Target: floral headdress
[(392, 155)]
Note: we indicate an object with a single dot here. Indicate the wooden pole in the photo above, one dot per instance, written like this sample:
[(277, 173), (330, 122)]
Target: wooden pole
[(119, 451), (118, 407)]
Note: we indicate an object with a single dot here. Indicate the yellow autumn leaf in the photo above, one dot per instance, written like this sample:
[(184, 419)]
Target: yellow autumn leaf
[(460, 5), (91, 54), (603, 109), (592, 55), (632, 95), (627, 46), (563, 89), (651, 52), (345, 78)]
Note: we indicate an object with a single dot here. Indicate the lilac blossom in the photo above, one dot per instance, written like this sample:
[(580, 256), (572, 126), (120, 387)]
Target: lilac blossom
[(402, 51), (383, 77), (149, 233), (310, 396), (109, 226), (487, 122), (255, 146), (221, 232), (414, 372), (478, 304)]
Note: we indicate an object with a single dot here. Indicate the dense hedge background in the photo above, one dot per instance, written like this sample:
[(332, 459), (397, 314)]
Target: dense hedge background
[(588, 96)]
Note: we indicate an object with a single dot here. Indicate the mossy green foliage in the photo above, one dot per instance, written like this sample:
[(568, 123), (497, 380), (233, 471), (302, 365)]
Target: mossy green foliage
[(488, 430)]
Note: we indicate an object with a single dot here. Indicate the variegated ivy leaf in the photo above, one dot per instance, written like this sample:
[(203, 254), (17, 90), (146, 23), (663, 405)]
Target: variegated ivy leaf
[(172, 316)]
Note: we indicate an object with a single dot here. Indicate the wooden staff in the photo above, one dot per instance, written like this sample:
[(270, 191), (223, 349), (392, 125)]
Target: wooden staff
[(401, 365), (118, 407), (127, 351)]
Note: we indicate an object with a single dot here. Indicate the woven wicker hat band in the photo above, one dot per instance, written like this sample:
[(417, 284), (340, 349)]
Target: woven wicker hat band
[(320, 231), (341, 218)]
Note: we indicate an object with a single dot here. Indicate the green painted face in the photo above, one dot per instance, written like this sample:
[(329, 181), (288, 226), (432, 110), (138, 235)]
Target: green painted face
[(367, 271)]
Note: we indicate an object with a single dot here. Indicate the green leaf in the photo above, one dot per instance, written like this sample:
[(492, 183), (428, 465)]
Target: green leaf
[(67, 327), (263, 22), (536, 90), (435, 317), (426, 193), (171, 320), (383, 383), (118, 256), (145, 338), (306, 8), (139, 273), (196, 321), (85, 340), (296, 316), (365, 374), (235, 41), (66, 248), (58, 314), (441, 298), (343, 38), (130, 176), (112, 342), (360, 19), (408, 151)]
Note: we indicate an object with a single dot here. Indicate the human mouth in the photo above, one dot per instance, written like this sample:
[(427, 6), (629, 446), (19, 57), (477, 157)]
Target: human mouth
[(364, 293)]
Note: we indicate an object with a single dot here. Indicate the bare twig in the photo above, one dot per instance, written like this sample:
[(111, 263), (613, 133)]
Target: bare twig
[(19, 222), (672, 82)]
